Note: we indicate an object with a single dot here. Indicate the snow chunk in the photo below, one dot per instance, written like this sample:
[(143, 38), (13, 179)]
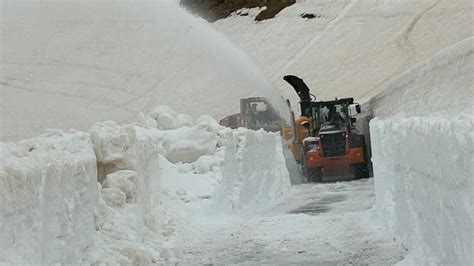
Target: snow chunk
[(181, 192), (146, 122), (207, 163), (128, 148), (185, 120), (162, 109), (186, 145), (113, 197), (124, 181), (208, 121), (167, 122), (165, 117)]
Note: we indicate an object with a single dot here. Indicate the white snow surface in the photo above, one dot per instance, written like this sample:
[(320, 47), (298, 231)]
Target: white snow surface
[(69, 64), (55, 211), (423, 157), (352, 48)]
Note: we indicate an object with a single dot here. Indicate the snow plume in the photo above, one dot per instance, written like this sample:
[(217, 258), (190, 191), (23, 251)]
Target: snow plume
[(104, 196), (109, 60), (423, 161)]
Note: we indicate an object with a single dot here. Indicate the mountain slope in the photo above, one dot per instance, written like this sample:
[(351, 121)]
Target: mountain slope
[(350, 48)]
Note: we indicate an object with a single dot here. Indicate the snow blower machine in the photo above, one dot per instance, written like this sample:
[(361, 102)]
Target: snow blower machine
[(255, 113), (326, 140)]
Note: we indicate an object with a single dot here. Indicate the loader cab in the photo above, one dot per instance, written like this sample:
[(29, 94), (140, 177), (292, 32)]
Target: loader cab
[(329, 113), (332, 143)]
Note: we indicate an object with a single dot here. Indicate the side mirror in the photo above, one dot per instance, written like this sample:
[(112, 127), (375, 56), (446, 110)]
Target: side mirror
[(305, 124), (357, 108), (353, 120), (354, 109)]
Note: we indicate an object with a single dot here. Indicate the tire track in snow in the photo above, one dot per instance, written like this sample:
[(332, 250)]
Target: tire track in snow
[(315, 39)]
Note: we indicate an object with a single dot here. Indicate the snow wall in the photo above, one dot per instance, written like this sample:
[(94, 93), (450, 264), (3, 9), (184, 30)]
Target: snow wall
[(48, 192), (255, 170), (422, 153), (53, 210)]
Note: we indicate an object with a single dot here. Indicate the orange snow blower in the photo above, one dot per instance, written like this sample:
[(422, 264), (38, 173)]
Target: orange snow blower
[(325, 137)]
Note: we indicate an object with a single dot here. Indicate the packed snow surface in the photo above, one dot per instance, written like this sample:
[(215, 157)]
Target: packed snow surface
[(323, 224)]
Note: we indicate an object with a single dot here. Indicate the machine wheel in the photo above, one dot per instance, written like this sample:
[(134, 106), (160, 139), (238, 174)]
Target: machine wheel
[(304, 168), (318, 174), (315, 174), (361, 170)]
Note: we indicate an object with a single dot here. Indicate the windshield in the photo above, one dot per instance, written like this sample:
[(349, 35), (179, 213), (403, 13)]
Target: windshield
[(333, 113), (258, 106)]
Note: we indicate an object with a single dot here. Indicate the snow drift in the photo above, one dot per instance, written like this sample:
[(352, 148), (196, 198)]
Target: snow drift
[(423, 163)]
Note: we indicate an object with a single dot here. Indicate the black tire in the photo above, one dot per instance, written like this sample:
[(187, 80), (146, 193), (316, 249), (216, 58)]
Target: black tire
[(318, 174), (304, 168), (361, 170)]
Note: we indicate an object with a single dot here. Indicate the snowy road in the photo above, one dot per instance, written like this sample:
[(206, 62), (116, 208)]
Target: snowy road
[(322, 224)]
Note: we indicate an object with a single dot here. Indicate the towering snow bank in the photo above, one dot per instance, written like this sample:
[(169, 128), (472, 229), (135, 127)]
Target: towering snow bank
[(48, 192), (73, 63), (441, 85), (423, 170), (422, 158), (254, 172), (351, 48)]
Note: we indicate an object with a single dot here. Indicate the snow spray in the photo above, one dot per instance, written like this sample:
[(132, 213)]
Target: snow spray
[(110, 60), (230, 74)]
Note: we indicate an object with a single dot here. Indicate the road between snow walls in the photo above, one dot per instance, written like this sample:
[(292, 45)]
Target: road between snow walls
[(53, 210)]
